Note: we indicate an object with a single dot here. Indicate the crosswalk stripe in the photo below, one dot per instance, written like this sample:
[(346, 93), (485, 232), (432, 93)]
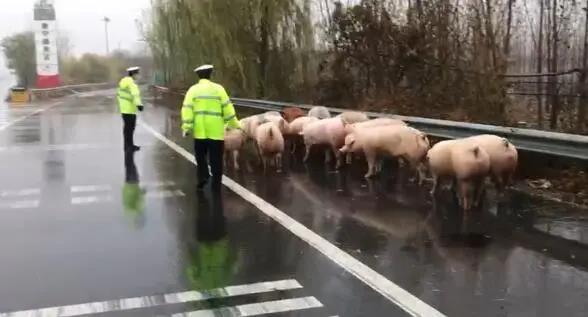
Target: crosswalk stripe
[(90, 188), (411, 304), (20, 192), (165, 194), (158, 184), (257, 309), (85, 200), (23, 204), (157, 300)]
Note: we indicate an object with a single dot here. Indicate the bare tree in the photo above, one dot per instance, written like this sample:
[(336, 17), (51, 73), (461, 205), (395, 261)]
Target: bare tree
[(581, 121), (540, 64)]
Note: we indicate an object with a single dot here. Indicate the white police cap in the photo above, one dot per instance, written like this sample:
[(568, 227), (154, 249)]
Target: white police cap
[(203, 67), (133, 69)]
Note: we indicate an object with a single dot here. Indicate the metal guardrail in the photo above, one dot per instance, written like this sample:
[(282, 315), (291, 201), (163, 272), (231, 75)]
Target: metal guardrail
[(73, 87), (63, 91), (551, 143)]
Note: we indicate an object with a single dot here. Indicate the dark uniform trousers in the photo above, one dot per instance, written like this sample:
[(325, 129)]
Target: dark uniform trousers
[(129, 123), (209, 152)]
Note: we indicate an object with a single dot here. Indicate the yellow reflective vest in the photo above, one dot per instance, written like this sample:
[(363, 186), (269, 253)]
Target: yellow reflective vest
[(206, 110), (129, 96)]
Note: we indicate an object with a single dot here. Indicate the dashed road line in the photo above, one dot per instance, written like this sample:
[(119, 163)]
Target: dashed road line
[(23, 204), (165, 194), (257, 309), (20, 192), (90, 188), (13, 122), (157, 300), (396, 294), (86, 200)]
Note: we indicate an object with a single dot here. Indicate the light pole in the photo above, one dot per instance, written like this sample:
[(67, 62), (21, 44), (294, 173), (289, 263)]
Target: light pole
[(106, 21)]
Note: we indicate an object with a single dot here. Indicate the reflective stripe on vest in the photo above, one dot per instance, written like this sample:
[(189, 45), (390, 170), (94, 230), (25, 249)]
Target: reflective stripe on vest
[(207, 97), (209, 113)]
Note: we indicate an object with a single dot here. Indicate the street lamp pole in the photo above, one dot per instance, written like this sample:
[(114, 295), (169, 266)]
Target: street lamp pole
[(106, 21)]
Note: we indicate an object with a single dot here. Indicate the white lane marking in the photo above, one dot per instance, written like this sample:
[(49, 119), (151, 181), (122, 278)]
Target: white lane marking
[(158, 184), (20, 192), (53, 147), (257, 309), (157, 300), (90, 188), (23, 204), (165, 194), (107, 187), (85, 200), (396, 294), (13, 122), (61, 147)]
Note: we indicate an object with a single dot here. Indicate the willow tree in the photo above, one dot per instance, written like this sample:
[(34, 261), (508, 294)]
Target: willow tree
[(260, 48)]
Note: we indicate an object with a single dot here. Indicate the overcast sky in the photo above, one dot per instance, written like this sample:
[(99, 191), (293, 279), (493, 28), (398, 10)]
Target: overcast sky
[(81, 21)]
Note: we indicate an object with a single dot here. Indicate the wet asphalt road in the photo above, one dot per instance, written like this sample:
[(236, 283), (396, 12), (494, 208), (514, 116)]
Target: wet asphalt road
[(80, 223)]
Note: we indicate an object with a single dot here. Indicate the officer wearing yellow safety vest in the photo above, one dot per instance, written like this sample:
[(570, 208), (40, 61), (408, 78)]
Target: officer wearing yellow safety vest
[(129, 100), (205, 112)]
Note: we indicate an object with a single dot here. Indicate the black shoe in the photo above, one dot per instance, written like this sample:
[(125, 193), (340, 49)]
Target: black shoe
[(201, 185), (216, 189), (132, 148)]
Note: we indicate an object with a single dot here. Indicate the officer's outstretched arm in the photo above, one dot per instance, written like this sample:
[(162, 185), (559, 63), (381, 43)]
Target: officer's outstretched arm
[(229, 114), (188, 112)]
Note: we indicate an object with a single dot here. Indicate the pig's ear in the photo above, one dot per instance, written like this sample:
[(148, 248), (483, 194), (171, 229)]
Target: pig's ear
[(352, 142)]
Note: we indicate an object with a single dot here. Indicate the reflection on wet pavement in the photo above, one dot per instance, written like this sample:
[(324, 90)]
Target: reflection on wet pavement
[(89, 224)]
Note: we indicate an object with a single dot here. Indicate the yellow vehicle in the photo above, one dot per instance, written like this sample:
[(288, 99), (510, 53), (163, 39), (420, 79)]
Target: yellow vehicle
[(19, 95)]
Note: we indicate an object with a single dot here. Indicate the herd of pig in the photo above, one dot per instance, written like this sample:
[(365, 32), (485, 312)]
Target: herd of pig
[(465, 162)]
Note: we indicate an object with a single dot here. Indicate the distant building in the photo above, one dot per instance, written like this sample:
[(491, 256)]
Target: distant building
[(45, 28)]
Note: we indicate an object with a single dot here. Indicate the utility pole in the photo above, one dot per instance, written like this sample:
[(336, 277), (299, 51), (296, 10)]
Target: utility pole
[(106, 21)]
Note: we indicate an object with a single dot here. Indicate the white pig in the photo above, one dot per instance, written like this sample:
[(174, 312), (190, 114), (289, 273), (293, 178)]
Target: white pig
[(250, 124), (326, 132), (276, 118), (463, 161), (319, 112), (378, 122), (234, 140), (298, 124), (295, 128), (270, 144), (351, 117), (397, 141), (503, 157)]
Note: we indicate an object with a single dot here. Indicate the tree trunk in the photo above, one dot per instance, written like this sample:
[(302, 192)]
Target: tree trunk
[(540, 66), (506, 54), (554, 60), (490, 34), (263, 50), (506, 44), (581, 121)]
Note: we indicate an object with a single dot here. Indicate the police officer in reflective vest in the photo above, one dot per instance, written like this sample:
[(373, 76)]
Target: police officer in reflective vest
[(205, 112), (129, 100)]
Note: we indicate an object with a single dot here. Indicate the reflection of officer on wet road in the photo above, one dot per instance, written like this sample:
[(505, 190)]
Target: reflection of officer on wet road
[(212, 260), (132, 194)]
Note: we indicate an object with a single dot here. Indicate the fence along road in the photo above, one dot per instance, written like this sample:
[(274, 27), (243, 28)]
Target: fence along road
[(565, 145), (552, 143)]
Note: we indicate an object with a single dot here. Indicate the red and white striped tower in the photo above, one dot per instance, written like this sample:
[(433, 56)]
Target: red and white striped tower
[(45, 28)]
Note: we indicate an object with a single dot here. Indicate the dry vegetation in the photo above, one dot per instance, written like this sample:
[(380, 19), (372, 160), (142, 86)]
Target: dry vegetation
[(473, 60)]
